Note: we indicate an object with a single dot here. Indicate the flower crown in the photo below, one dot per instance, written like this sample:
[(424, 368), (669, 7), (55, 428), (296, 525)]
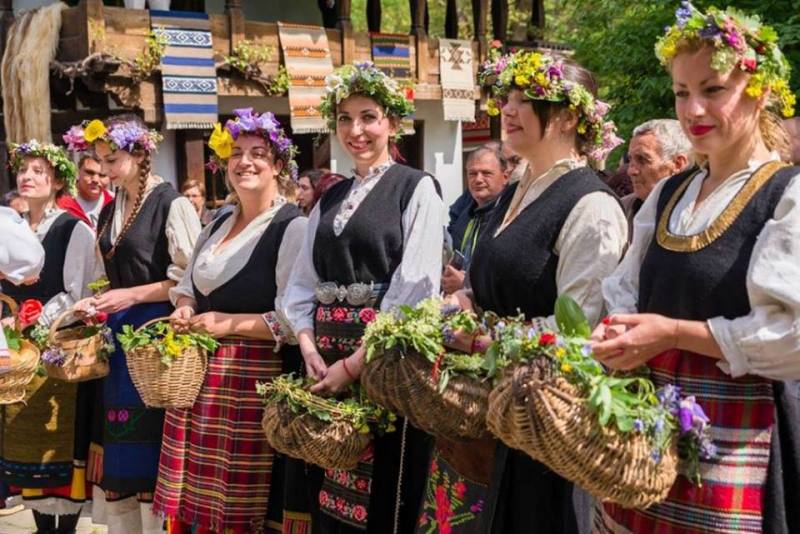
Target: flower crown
[(265, 125), (128, 136), (541, 77), (364, 78), (55, 155), (740, 41)]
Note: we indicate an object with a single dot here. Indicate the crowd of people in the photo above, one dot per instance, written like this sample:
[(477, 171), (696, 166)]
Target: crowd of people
[(691, 272)]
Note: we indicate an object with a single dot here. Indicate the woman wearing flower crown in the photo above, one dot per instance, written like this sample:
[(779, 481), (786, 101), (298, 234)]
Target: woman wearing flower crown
[(146, 237), (216, 467), (706, 295), (46, 439), (559, 230), (373, 241)]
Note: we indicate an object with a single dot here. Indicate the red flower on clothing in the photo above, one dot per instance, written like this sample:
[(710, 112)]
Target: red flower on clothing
[(338, 314), (323, 498), (460, 489), (367, 315), (359, 513), (547, 338), (443, 509), (339, 504), (324, 342), (361, 484), (434, 466), (320, 314)]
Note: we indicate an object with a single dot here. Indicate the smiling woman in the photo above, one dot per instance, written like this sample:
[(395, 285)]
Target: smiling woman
[(373, 241)]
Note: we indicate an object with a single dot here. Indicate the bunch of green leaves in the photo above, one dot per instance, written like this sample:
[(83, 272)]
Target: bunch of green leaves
[(36, 334), (13, 337), (146, 61), (247, 54), (355, 410), (423, 329), (99, 285), (163, 337)]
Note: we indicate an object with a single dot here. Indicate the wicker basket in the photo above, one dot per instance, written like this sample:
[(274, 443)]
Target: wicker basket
[(404, 384), (330, 445), (162, 386), (84, 358), (23, 365), (544, 416)]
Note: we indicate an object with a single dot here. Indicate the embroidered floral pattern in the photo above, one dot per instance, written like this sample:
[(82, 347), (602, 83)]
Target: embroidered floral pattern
[(344, 345), (347, 315), (345, 494), (450, 501)]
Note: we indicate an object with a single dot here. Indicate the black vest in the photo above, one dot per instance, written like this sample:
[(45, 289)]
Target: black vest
[(712, 281), (516, 271), (370, 247), (142, 256), (253, 289), (51, 279)]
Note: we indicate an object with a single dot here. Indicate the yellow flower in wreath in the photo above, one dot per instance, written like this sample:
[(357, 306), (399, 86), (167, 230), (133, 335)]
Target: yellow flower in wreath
[(221, 142), (94, 131)]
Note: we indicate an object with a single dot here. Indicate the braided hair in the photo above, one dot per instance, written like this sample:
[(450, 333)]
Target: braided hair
[(144, 173)]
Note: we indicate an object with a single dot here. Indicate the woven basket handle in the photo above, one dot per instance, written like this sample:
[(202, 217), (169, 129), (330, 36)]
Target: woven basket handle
[(12, 306), (154, 321), (51, 334)]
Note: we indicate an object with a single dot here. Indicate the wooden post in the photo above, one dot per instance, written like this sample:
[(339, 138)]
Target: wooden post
[(374, 15), (345, 24), (537, 14), (499, 19), (451, 20), (236, 20), (191, 156), (95, 26), (418, 10), (480, 11)]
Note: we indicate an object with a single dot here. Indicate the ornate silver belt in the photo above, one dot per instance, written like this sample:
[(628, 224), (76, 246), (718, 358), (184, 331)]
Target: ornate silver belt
[(356, 294)]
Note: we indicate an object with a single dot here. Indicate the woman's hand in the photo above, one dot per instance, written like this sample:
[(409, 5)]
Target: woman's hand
[(336, 379), (315, 365), (605, 331), (181, 316), (215, 324), (646, 335), (114, 300)]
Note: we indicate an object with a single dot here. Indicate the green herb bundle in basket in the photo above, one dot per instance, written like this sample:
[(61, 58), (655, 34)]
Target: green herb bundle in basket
[(322, 431), (409, 371), (615, 436), (167, 368)]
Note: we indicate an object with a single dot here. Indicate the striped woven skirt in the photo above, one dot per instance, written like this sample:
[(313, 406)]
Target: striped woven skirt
[(216, 466), (731, 497)]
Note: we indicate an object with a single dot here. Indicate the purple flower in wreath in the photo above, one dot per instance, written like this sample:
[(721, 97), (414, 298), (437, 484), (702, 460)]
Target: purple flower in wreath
[(122, 416), (111, 415), (268, 122), (234, 128), (246, 119)]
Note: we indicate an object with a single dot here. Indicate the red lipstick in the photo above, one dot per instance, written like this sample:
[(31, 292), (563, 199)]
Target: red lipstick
[(700, 129)]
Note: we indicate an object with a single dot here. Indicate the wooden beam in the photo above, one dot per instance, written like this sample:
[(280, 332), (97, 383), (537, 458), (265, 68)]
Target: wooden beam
[(345, 24), (420, 18), (451, 20), (499, 19), (537, 15), (237, 22), (418, 8), (95, 26), (374, 15), (480, 12)]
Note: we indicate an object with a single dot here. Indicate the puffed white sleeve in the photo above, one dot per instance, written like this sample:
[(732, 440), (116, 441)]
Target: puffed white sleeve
[(621, 287), (184, 287), (21, 254), (420, 271), (766, 341), (589, 247), (182, 229), (289, 250), (299, 300), (78, 272)]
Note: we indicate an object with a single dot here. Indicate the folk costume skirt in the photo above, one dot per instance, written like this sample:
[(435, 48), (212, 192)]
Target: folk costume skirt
[(733, 491), (126, 463), (367, 498), (216, 467), (44, 445)]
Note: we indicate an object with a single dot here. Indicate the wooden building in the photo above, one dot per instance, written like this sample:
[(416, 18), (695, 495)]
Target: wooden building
[(87, 82)]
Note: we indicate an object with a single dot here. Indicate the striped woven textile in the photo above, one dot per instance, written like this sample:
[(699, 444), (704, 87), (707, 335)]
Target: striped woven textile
[(730, 499), (188, 74), (308, 61), (458, 80), (391, 52), (476, 134), (216, 466)]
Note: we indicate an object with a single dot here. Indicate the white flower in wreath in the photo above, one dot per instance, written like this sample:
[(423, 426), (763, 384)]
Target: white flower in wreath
[(333, 82)]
